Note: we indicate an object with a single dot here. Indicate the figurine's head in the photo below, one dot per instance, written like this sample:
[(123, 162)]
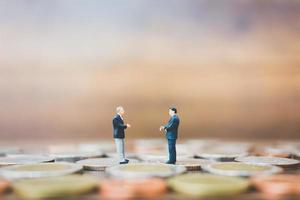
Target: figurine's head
[(120, 110), (172, 111)]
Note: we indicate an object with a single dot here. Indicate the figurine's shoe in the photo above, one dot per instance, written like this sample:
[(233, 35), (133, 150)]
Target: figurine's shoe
[(169, 162), (124, 162)]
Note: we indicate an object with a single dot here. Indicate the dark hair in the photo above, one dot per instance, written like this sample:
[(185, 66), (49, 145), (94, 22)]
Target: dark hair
[(174, 109)]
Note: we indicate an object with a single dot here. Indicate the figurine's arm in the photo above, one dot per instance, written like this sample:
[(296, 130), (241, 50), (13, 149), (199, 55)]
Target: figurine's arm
[(119, 124), (170, 125)]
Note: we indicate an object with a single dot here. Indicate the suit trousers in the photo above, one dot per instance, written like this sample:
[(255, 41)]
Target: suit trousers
[(120, 148), (172, 150)]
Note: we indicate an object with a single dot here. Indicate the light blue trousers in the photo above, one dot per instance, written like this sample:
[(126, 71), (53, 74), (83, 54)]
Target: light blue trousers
[(120, 149)]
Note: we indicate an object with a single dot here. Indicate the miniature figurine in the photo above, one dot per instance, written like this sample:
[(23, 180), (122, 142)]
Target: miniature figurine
[(171, 130), (119, 134)]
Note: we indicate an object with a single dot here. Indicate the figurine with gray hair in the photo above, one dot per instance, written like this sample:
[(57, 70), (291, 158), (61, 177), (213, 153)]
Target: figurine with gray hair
[(119, 133)]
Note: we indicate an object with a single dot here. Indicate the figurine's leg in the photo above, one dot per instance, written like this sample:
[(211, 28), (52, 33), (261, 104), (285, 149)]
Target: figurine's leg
[(119, 147), (172, 151), (123, 150)]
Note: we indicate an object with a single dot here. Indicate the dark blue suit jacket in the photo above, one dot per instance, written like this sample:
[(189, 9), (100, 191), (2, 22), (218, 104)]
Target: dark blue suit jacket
[(119, 127), (172, 128)]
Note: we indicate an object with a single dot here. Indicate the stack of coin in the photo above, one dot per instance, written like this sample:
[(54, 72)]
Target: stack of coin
[(282, 162), (71, 153), (9, 150), (24, 159), (160, 156), (240, 169), (223, 152), (39, 170), (145, 170), (278, 185), (104, 146), (193, 164), (272, 151), (50, 187), (132, 188), (203, 185), (129, 155), (198, 145), (98, 164), (149, 145)]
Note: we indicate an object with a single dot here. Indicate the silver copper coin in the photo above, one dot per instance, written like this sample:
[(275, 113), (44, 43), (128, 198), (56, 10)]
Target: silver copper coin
[(24, 159), (283, 162), (145, 170), (100, 164), (240, 169), (39, 170)]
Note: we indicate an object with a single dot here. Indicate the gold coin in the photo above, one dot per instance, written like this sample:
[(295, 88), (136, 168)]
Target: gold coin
[(201, 185), (50, 187)]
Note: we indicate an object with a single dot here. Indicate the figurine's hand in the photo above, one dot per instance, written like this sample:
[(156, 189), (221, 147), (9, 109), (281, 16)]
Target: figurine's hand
[(128, 125), (161, 128)]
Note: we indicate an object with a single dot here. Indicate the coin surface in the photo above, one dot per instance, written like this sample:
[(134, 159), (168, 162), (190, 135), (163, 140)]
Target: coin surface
[(50, 187), (104, 146), (277, 185), (145, 170), (129, 155), (160, 156), (132, 188), (24, 159), (283, 162), (240, 169), (192, 164), (75, 156), (39, 170), (223, 152), (8, 150), (202, 185), (101, 163)]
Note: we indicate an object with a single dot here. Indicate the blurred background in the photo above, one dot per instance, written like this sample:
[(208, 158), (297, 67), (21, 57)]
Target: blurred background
[(232, 68)]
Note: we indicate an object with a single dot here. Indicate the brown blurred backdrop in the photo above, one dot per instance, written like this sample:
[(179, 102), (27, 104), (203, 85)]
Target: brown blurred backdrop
[(232, 68)]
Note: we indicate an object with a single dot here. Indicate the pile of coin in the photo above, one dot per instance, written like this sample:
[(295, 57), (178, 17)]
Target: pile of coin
[(204, 168)]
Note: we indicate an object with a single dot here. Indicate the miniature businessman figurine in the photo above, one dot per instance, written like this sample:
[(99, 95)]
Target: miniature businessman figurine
[(171, 130), (119, 134)]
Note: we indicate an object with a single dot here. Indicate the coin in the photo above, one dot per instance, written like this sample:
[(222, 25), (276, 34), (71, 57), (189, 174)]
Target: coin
[(51, 187), (24, 159), (128, 155), (39, 170), (272, 151), (277, 185), (100, 163), (240, 169), (132, 188), (160, 156), (4, 185), (283, 162), (192, 164), (7, 150), (104, 146), (148, 145), (223, 152), (203, 185), (71, 153), (145, 170)]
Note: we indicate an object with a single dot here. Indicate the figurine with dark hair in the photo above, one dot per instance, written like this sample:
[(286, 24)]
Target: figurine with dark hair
[(171, 130)]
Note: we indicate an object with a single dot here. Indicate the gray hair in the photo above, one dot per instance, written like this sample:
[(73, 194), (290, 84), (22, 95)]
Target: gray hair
[(119, 109)]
